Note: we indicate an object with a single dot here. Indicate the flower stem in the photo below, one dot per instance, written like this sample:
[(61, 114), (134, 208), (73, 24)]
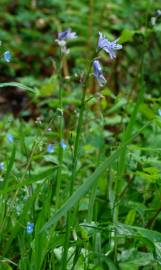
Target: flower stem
[(74, 166), (61, 134), (60, 154)]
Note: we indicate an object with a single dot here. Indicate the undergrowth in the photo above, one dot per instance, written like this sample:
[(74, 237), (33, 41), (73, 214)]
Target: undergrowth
[(80, 165)]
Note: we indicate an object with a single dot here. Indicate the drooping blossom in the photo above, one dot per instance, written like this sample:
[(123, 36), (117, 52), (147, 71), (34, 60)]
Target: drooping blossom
[(98, 73), (107, 46)]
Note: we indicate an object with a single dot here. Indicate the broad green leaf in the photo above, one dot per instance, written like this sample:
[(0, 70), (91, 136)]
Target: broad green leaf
[(152, 238), (49, 86), (126, 35), (5, 266), (146, 111), (132, 259)]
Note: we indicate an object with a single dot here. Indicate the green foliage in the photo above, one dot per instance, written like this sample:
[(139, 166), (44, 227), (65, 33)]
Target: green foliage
[(96, 203)]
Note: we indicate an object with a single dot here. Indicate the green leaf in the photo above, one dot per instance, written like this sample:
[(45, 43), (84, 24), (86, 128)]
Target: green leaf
[(5, 266), (32, 179), (20, 85), (81, 191), (120, 103), (130, 218), (146, 111), (86, 186), (151, 174), (49, 86), (132, 259), (126, 35), (9, 167), (157, 27), (11, 161), (152, 238)]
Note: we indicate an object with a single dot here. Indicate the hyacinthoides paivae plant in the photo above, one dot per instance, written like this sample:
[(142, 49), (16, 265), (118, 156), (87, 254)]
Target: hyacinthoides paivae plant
[(110, 48), (62, 39)]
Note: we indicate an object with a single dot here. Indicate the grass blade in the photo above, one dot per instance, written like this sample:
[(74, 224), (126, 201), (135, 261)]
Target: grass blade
[(21, 86), (82, 190)]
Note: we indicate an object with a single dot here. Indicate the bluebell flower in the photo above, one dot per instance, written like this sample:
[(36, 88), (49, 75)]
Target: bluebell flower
[(107, 46), (2, 166), (98, 73), (30, 227), (7, 56), (10, 138), (63, 145), (50, 148), (63, 37), (159, 112), (67, 34)]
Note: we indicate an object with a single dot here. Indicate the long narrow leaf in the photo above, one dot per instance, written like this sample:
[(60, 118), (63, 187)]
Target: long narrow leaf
[(85, 187), (30, 180), (82, 190), (19, 85)]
